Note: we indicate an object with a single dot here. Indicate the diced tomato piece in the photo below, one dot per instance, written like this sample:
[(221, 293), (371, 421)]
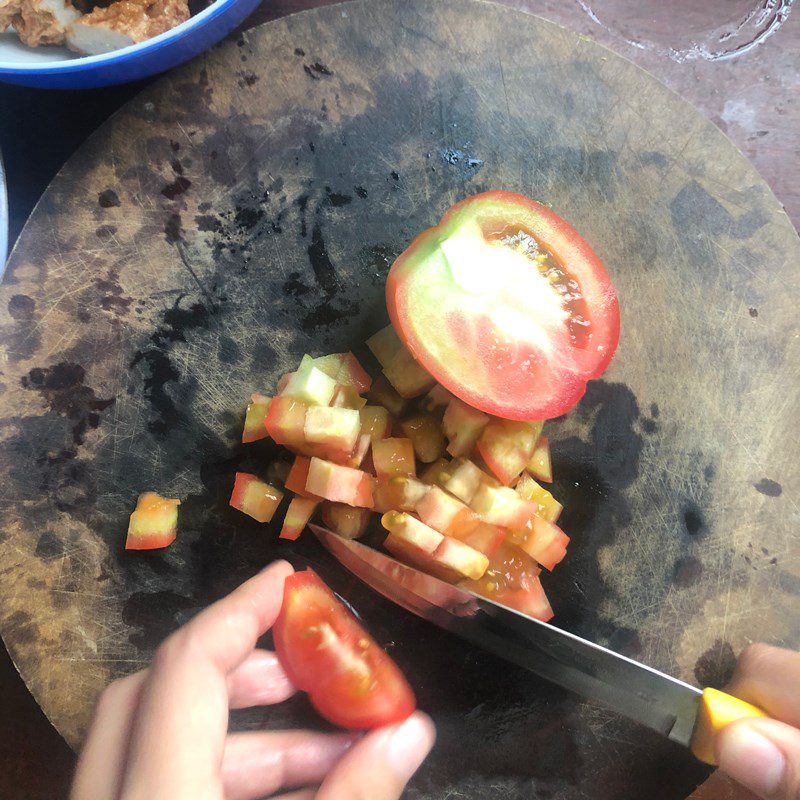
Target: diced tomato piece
[(440, 510), (300, 511), (358, 455), (283, 381), (451, 561), (347, 397), (311, 385), (285, 421), (507, 446), (512, 579), (437, 473), (410, 529), (384, 394), (464, 478), (548, 507), (375, 421), (485, 538), (255, 498), (426, 435), (254, 428), (540, 465), (399, 366), (298, 477), (464, 560), (502, 506), (401, 493), (339, 483), (542, 540), (531, 601), (153, 524), (336, 429), (345, 520), (327, 653), (462, 426), (393, 457), (438, 397), (345, 370)]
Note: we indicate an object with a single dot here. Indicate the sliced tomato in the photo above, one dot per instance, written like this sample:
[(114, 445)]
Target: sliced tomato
[(548, 507), (300, 511), (153, 524), (506, 306), (345, 520), (345, 370), (339, 483), (540, 465), (393, 456), (507, 446), (426, 435), (512, 579), (335, 429), (254, 497), (399, 366), (383, 394), (542, 540), (254, 428), (326, 652), (399, 493), (451, 561), (410, 530), (441, 510)]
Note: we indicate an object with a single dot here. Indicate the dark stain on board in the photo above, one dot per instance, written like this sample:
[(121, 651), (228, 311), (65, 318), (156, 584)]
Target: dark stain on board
[(687, 572), (768, 487), (714, 668), (63, 389), (108, 198)]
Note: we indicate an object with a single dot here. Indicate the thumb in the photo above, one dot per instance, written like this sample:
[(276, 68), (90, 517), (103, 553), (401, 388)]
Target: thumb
[(763, 755)]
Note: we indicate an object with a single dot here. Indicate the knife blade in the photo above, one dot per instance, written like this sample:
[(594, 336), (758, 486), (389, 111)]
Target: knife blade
[(650, 697)]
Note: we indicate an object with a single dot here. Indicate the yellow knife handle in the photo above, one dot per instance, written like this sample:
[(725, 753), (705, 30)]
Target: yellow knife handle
[(717, 710)]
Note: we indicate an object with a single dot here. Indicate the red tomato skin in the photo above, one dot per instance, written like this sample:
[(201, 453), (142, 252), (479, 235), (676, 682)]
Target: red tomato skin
[(569, 248), (318, 671)]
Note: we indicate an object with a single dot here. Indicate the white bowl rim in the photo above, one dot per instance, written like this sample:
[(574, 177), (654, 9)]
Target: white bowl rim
[(123, 54)]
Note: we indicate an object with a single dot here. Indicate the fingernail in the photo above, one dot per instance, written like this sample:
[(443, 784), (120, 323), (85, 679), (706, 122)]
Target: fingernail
[(410, 743), (751, 759)]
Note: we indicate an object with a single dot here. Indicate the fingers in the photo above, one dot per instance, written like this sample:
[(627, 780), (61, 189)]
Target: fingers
[(181, 724), (379, 766), (769, 677), (258, 764), (258, 681), (226, 632), (763, 755), (102, 758)]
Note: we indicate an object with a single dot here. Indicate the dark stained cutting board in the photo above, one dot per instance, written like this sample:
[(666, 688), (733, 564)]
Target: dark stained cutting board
[(245, 210)]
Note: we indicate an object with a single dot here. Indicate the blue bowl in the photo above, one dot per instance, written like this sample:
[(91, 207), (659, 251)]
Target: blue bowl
[(58, 68)]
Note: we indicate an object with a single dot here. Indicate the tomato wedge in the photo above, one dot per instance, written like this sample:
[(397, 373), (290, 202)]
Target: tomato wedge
[(506, 306), (325, 652)]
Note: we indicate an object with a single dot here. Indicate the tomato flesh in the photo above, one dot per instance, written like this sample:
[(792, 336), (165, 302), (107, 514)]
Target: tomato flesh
[(324, 651), (254, 428), (300, 511), (255, 498), (153, 524), (506, 306)]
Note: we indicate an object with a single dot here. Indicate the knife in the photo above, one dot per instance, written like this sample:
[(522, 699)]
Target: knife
[(675, 709)]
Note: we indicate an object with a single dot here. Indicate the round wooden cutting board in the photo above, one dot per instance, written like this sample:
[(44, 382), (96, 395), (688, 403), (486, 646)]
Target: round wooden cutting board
[(245, 210)]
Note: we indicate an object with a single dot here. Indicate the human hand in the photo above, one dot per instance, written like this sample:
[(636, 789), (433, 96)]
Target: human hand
[(764, 754), (162, 733)]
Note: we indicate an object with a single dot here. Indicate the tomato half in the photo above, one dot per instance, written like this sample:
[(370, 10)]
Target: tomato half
[(506, 306), (325, 652)]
